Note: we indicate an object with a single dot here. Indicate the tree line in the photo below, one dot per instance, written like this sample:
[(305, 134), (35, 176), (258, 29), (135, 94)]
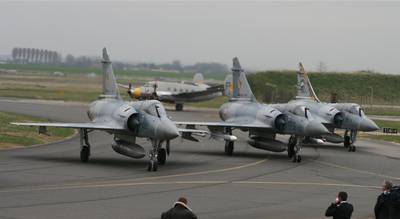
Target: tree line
[(33, 55), (44, 56)]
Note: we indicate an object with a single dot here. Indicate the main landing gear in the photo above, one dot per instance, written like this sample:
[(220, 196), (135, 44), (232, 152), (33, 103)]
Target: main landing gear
[(85, 146), (229, 145), (349, 140), (158, 155), (294, 148)]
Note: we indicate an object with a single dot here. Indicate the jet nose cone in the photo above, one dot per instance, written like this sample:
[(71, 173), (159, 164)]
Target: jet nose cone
[(167, 130), (315, 128), (367, 125)]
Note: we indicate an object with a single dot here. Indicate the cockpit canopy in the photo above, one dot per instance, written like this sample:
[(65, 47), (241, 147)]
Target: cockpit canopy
[(357, 110), (156, 109)]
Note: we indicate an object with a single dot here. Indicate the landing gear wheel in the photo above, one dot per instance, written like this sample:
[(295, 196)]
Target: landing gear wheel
[(346, 141), (178, 107), (291, 144), (352, 148), (229, 148), (290, 151), (162, 156), (296, 158), (85, 153), (153, 166)]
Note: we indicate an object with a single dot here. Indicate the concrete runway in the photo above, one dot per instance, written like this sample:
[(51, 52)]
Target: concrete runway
[(49, 181)]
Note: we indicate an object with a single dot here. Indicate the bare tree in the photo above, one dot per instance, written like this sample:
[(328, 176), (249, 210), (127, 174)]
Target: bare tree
[(37, 51), (29, 54), (14, 54), (46, 56), (50, 57), (19, 56), (69, 60), (41, 54), (24, 55)]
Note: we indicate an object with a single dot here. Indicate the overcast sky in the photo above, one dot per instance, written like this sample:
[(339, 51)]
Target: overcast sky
[(264, 35)]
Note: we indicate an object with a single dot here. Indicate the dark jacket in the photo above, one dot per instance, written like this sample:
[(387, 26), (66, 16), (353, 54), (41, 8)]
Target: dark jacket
[(394, 210), (340, 211), (382, 206), (179, 211)]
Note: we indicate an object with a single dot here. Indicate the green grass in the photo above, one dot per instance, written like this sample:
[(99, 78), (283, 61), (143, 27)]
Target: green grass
[(388, 124), (269, 86), (12, 135), (132, 73), (280, 86), (388, 138), (385, 137), (18, 140), (382, 111), (214, 103), (49, 94)]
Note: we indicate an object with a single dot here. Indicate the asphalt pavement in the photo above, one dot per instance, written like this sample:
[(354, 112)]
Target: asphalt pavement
[(49, 181)]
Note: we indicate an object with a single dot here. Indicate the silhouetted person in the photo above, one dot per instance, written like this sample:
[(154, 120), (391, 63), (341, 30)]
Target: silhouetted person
[(179, 211), (383, 203), (340, 209), (395, 205)]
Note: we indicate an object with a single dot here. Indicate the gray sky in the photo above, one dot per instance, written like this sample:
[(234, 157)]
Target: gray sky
[(264, 35)]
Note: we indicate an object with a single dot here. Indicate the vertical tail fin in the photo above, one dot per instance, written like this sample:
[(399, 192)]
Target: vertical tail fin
[(198, 78), (304, 87), (110, 88), (236, 85)]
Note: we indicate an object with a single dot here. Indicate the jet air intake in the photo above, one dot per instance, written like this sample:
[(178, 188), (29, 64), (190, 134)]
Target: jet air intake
[(133, 122), (280, 122), (338, 119)]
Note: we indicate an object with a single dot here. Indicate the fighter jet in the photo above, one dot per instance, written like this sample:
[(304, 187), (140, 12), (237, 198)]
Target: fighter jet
[(262, 121), (347, 116), (176, 92), (125, 121)]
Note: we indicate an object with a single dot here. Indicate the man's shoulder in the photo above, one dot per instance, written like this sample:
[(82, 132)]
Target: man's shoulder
[(346, 205)]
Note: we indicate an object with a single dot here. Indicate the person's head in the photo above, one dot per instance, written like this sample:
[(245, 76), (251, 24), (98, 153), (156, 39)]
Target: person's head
[(342, 196), (183, 200), (386, 185)]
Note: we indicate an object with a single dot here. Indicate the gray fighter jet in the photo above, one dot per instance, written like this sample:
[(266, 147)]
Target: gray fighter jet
[(262, 121), (126, 121), (347, 116)]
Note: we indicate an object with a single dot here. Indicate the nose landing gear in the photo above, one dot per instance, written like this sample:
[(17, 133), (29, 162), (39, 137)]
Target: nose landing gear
[(349, 140), (294, 148), (158, 156)]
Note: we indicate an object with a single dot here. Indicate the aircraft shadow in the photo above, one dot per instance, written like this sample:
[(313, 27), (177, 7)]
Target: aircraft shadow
[(241, 154), (120, 163), (336, 147)]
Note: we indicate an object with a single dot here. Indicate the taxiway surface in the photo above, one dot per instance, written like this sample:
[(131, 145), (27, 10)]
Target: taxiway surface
[(49, 181)]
